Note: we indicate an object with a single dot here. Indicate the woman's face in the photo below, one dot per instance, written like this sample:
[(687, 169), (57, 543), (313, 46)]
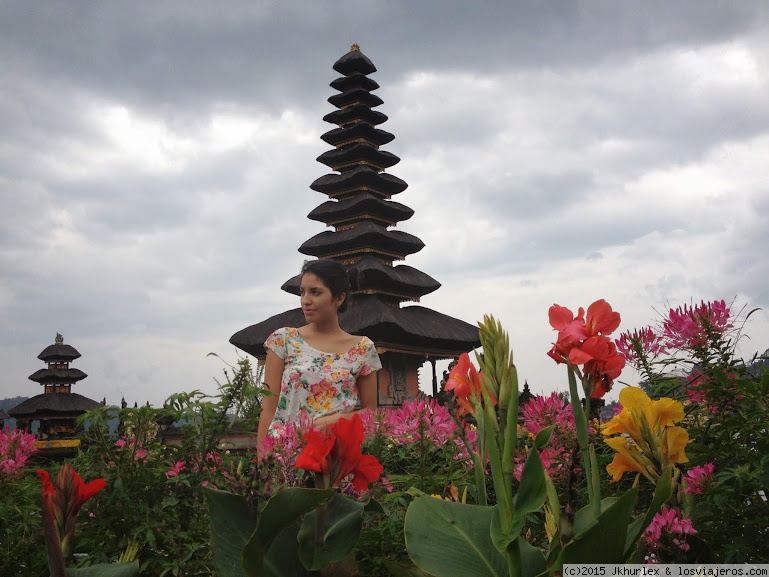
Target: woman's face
[(317, 302)]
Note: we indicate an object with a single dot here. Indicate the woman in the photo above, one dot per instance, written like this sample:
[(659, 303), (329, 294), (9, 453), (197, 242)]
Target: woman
[(318, 370)]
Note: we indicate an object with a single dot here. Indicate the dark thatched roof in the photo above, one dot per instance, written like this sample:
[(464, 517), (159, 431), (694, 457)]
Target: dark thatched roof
[(365, 236), (409, 329), (355, 96), (57, 376), (356, 133), (374, 275), (362, 205), (355, 113), (58, 352), (4, 415), (53, 404), (357, 154), (361, 177), (355, 80), (354, 61)]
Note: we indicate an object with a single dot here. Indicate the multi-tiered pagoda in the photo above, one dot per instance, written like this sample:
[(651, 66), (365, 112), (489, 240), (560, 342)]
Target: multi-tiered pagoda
[(362, 214), (57, 407)]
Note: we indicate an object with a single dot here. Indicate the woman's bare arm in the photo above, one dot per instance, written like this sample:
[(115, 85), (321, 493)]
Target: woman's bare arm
[(273, 375)]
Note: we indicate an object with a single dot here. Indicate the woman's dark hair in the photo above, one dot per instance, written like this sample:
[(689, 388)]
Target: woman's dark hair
[(338, 279)]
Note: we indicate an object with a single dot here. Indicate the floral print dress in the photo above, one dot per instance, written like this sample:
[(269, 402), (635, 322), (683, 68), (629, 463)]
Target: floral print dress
[(316, 383)]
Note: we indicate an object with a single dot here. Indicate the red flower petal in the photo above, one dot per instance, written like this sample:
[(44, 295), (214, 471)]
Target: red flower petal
[(559, 317)]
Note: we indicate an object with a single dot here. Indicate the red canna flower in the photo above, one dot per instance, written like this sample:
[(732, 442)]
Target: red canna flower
[(584, 341), (464, 382), (61, 503), (336, 453)]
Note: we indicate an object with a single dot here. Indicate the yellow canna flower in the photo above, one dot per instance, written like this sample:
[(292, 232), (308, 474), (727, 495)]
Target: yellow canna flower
[(647, 439)]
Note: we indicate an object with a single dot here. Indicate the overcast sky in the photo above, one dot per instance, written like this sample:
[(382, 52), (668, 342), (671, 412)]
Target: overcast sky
[(156, 157)]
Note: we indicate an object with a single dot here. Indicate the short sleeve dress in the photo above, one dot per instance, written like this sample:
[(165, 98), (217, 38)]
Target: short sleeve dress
[(316, 383)]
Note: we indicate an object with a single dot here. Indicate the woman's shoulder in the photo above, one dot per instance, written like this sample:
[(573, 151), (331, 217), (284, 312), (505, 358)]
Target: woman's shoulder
[(278, 337), (361, 344)]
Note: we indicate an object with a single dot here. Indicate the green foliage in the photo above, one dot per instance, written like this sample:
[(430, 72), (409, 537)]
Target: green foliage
[(452, 539), (112, 570), (22, 553)]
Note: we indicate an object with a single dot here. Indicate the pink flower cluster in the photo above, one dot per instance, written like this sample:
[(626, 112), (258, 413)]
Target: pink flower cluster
[(539, 413), (139, 452), (640, 344), (176, 469), (283, 447), (668, 526), (699, 478), (402, 424), (15, 448), (212, 464), (689, 327)]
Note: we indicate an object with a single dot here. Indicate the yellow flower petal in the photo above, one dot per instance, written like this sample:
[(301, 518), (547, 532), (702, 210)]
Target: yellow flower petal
[(620, 465), (676, 439), (665, 412)]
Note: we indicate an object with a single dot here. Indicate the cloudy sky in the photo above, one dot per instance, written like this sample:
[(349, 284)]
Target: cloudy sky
[(155, 162)]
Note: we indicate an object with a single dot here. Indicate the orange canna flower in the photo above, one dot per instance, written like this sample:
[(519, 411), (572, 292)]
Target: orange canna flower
[(465, 382)]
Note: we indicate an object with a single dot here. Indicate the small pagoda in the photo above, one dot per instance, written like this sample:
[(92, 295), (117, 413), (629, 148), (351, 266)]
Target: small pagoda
[(57, 407), (362, 214)]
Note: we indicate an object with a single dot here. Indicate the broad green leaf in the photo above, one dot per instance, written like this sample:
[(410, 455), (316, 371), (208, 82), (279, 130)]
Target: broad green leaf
[(451, 539), (280, 512), (106, 570), (282, 557), (603, 541), (340, 532), (231, 527), (532, 560)]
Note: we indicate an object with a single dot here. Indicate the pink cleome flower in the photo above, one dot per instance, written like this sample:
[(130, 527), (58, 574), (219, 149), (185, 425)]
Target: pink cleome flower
[(699, 478), (15, 448), (668, 525), (403, 423), (640, 344), (689, 327), (541, 412)]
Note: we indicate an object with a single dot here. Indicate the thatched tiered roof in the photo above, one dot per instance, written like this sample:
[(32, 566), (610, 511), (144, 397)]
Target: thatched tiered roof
[(53, 404), (361, 212)]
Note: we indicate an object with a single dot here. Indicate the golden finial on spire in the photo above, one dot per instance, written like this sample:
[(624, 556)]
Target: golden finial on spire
[(59, 339), (354, 46)]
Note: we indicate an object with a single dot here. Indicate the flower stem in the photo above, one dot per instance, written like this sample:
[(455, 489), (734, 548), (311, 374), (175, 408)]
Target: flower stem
[(580, 421)]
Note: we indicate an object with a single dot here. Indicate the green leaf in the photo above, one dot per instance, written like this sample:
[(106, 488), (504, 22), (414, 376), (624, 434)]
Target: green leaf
[(600, 540), (543, 437), (340, 531), (373, 506), (106, 570), (280, 512), (532, 560), (282, 557), (662, 493), (532, 493), (451, 539), (231, 528), (533, 489)]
